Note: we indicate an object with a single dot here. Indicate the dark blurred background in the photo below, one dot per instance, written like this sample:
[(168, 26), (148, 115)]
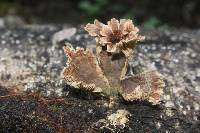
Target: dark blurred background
[(148, 13)]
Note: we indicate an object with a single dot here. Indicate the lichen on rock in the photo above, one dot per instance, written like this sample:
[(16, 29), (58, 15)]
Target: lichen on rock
[(120, 118)]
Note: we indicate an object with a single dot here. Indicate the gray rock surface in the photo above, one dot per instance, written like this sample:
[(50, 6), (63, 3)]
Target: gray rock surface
[(30, 63)]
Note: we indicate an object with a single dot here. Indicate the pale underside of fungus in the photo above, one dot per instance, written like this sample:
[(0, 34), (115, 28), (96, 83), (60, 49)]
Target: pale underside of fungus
[(106, 71)]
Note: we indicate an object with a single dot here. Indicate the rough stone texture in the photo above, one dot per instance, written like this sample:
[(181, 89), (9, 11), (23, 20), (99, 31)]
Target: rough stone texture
[(34, 97)]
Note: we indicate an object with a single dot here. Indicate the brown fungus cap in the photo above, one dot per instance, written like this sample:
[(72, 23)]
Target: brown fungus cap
[(117, 34)]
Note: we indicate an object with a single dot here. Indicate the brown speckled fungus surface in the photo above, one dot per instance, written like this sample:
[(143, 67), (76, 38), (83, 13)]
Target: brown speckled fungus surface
[(106, 72)]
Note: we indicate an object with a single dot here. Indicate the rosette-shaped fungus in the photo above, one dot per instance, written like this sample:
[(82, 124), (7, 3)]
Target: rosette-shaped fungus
[(115, 35), (106, 72)]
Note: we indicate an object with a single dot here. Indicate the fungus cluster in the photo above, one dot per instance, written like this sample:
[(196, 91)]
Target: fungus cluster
[(105, 72)]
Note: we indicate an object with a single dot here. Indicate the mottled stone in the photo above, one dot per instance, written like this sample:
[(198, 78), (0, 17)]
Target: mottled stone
[(30, 61)]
